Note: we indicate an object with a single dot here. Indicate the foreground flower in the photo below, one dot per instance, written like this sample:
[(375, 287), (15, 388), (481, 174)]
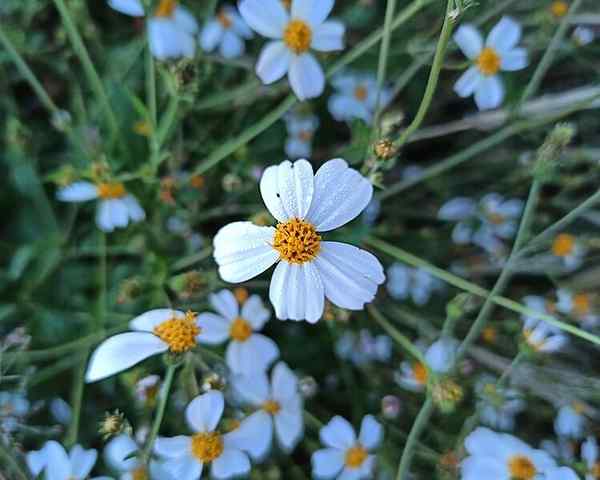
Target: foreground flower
[(499, 53), (498, 405), (119, 455), (416, 283), (185, 456), (301, 129), (292, 36), (57, 464), (116, 207), (345, 456), (570, 421), (496, 456), (591, 457), (356, 97), (247, 352), (154, 332), (171, 29), (278, 407), (309, 269), (227, 30)]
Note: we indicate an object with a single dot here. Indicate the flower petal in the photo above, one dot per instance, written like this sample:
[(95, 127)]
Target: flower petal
[(147, 321), (329, 37), (254, 435), (252, 389), (204, 412), (232, 45), (284, 383), (120, 352), (468, 82), (306, 76), (267, 17), (327, 462), (214, 329), (515, 59), (82, 461), (225, 303), (489, 93), (58, 466), (469, 40), (255, 312), (134, 210), (104, 217), (254, 355), (289, 427), (371, 432), (273, 62), (312, 11), (185, 21), (77, 192), (231, 463), (341, 194), (117, 450), (211, 35), (338, 433), (505, 35), (185, 467), (172, 447), (133, 8)]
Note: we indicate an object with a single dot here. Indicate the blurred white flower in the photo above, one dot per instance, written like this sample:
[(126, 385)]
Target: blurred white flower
[(569, 250), (591, 457), (61, 411), (247, 352), (499, 53), (583, 36), (577, 306), (345, 456), (498, 406), (227, 30), (561, 473), (541, 336), (570, 421), (119, 456), (416, 283), (116, 207), (308, 269), (171, 28), (301, 130), (14, 406), (60, 465), (146, 390), (293, 34), (364, 348), (562, 449), (356, 97)]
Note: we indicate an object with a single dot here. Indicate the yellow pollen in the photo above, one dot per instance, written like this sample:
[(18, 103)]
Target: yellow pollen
[(271, 406), (241, 294), (489, 334), (559, 9), (420, 373), (537, 346), (111, 190), (139, 473), (495, 218), (240, 330), (595, 472), (297, 36), (488, 61), (578, 407), (165, 8), (563, 245), (360, 93), (224, 19), (581, 304), (143, 128), (305, 135), (297, 241), (179, 333), (197, 181), (355, 456), (287, 3), (207, 446), (521, 468)]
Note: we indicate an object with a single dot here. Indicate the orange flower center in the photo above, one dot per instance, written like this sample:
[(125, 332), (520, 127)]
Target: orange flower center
[(197, 181), (420, 373), (581, 304), (297, 36), (559, 9), (521, 468), (488, 61), (305, 135), (207, 446), (595, 472), (271, 406), (355, 456), (489, 334), (111, 190), (179, 333), (297, 241), (240, 330), (224, 19), (287, 3), (537, 345), (241, 294), (563, 245), (165, 8), (139, 473), (360, 93)]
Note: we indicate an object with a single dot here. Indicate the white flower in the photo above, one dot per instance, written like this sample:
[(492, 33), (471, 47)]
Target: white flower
[(292, 35), (570, 421), (356, 97), (301, 129), (185, 456), (13, 407), (346, 457), (578, 306), (278, 407), (562, 449), (416, 283), (569, 250), (363, 348), (171, 29), (497, 405), (118, 454), (154, 332), (583, 36), (562, 473), (247, 352), (497, 456), (499, 53), (61, 411), (590, 454), (539, 335), (226, 30), (146, 389), (116, 207), (60, 465), (309, 269)]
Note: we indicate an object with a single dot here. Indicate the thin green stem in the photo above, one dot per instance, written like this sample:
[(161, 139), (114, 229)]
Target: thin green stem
[(151, 88), (76, 402), (413, 437), (9, 459)]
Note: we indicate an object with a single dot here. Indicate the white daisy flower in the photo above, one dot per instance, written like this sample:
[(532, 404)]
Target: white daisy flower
[(292, 36), (116, 207), (227, 30), (119, 456), (570, 421), (356, 97), (569, 250), (154, 332), (185, 456), (278, 407), (416, 283), (345, 456), (14, 406), (301, 130), (499, 456), (172, 28), (308, 268), (497, 406), (248, 352), (146, 390), (583, 36), (364, 348), (543, 337), (499, 53), (578, 306), (60, 465), (591, 456)]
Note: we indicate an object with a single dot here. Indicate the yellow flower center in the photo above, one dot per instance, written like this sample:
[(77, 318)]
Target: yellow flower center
[(495, 218), (139, 473), (165, 8), (287, 3), (489, 334), (241, 294), (207, 446), (297, 36), (360, 93), (240, 330), (111, 190), (521, 468), (355, 456), (179, 333), (143, 128), (420, 373), (224, 19), (581, 304), (536, 345), (595, 471), (297, 241), (488, 61), (197, 181), (271, 406), (559, 9), (563, 245), (305, 135), (578, 407)]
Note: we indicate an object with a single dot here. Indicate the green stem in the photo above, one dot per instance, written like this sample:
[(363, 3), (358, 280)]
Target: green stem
[(76, 402), (10, 460), (151, 88), (413, 437)]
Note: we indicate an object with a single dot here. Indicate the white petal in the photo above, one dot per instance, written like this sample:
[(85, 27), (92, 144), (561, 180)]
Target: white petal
[(255, 312), (350, 474), (462, 233), (267, 17), (252, 389), (289, 426), (58, 466), (82, 461), (183, 468), (312, 11), (162, 38), (231, 463), (104, 217), (306, 76), (346, 107), (458, 208), (338, 433), (468, 82), (211, 35), (285, 383), (37, 461), (254, 435), (329, 37), (350, 275), (477, 468), (239, 26), (121, 352), (297, 292), (119, 213), (204, 412), (214, 329), (117, 450), (287, 189), (243, 251), (440, 355), (252, 356), (469, 40), (225, 303), (515, 59), (371, 432), (327, 462), (296, 148), (273, 62), (147, 321), (505, 35), (489, 93), (561, 473), (77, 192), (185, 21), (172, 447), (128, 7), (232, 45), (589, 451), (341, 194), (134, 210)]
